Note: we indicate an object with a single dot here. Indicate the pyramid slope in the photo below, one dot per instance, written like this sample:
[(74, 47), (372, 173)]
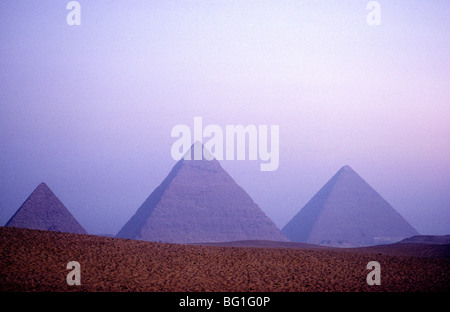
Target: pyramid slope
[(44, 211), (298, 229), (348, 211), (199, 202)]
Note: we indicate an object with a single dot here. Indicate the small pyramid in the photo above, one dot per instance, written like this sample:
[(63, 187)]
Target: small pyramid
[(199, 202), (44, 211), (348, 212)]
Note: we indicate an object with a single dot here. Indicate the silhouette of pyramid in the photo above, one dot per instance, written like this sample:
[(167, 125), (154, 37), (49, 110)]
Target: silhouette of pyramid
[(349, 212), (199, 202), (44, 211)]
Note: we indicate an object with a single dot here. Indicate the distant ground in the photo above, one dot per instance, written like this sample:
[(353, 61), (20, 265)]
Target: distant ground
[(262, 244), (33, 260), (428, 239), (417, 246)]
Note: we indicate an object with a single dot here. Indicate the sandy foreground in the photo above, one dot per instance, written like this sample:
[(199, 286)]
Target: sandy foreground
[(32, 260)]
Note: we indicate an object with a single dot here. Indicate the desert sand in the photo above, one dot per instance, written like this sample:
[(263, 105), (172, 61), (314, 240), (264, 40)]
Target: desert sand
[(34, 260)]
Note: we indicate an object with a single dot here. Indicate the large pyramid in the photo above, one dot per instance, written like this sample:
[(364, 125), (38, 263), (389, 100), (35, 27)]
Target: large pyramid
[(199, 202), (44, 211), (347, 212)]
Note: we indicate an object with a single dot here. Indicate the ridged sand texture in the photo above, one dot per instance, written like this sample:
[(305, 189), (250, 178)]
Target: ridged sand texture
[(199, 202), (44, 211), (348, 212), (32, 260)]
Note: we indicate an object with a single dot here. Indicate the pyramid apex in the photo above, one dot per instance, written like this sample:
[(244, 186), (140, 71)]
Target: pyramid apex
[(43, 188), (198, 152), (42, 184), (197, 143), (346, 169)]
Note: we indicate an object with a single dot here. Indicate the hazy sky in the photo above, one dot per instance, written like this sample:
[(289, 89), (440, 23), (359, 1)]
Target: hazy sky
[(89, 109)]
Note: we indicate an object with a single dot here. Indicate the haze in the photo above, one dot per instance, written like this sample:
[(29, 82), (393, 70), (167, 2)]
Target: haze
[(89, 109)]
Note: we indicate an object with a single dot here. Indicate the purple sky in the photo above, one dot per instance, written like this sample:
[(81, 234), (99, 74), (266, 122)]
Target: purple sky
[(89, 109)]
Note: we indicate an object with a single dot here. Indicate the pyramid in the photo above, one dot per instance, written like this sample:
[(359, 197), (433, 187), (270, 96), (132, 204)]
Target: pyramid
[(44, 211), (348, 212), (199, 202)]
